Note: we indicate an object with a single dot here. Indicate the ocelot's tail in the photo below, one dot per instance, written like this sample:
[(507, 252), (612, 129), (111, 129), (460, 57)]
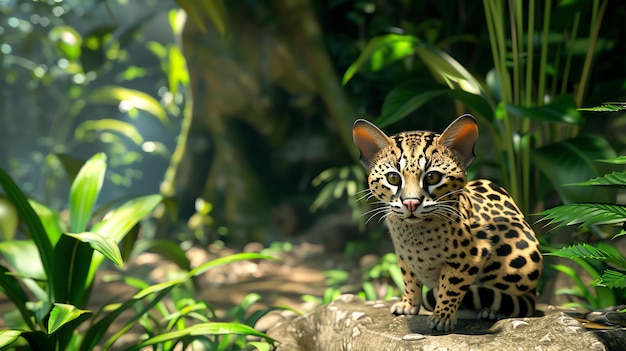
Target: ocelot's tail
[(485, 297)]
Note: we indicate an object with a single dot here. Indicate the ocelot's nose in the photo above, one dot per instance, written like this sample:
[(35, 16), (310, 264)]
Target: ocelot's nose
[(411, 203)]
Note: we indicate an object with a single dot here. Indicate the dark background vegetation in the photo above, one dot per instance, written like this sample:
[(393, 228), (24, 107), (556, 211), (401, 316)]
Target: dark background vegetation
[(239, 113), (268, 114)]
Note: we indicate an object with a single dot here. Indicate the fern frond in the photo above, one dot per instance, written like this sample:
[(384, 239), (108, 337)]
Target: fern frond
[(606, 107), (614, 180), (613, 279), (588, 252), (619, 160), (585, 214)]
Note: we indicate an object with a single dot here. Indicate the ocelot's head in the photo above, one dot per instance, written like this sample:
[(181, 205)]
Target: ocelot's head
[(417, 174)]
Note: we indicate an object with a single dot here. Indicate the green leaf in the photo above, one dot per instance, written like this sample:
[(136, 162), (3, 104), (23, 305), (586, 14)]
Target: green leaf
[(380, 52), (210, 328), (103, 244), (8, 219), (14, 252), (62, 314), (585, 214), (121, 221), (7, 337), (447, 70), (85, 190), (101, 125), (36, 229), (11, 288), (72, 260), (613, 279), (129, 99), (571, 161), (50, 220), (408, 96), (159, 287), (586, 251), (561, 109), (619, 160), (615, 180)]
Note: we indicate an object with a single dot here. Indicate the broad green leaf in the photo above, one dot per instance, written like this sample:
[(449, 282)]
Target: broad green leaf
[(585, 214), (411, 95), (129, 99), (614, 180), (103, 244), (85, 190), (11, 288), (588, 252), (101, 125), (447, 70), (62, 314), (619, 160), (8, 219), (380, 52), (613, 279), (14, 252), (50, 220), (120, 222), (72, 260), (573, 160), (7, 337), (36, 229), (210, 328), (71, 165), (560, 110)]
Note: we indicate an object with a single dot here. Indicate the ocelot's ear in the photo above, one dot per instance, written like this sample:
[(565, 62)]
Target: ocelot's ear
[(369, 139), (460, 137)]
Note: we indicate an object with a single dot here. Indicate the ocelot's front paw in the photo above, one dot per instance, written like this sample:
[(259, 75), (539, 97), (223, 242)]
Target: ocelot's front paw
[(404, 308), (443, 324)]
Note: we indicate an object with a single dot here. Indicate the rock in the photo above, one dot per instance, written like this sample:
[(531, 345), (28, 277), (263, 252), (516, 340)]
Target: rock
[(350, 323)]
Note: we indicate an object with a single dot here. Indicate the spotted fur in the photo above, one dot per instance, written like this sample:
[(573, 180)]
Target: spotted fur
[(466, 241)]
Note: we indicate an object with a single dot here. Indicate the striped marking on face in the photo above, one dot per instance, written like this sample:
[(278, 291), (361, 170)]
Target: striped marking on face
[(402, 163), (422, 163)]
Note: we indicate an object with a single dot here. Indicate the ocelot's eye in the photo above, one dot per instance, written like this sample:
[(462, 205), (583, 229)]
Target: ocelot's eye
[(393, 178), (432, 178)]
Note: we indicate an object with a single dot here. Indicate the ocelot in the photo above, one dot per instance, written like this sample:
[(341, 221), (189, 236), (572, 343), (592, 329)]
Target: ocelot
[(467, 242)]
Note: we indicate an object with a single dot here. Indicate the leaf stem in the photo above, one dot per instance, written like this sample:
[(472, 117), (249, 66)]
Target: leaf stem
[(593, 39)]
